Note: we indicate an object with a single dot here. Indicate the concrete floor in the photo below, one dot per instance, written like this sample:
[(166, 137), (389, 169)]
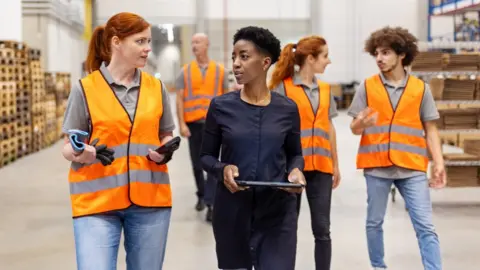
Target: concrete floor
[(36, 228)]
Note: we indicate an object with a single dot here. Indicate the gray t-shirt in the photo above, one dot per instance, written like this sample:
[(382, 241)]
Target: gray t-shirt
[(76, 114), (312, 94), (428, 112), (180, 82)]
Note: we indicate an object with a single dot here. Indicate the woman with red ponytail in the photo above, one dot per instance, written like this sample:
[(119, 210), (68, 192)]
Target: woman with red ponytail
[(116, 116), (294, 76)]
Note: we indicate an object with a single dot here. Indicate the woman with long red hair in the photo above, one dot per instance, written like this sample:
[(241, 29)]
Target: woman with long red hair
[(294, 76), (117, 181)]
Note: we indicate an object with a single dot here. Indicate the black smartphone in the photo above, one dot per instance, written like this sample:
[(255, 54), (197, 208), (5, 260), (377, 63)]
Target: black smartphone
[(170, 146), (267, 184)]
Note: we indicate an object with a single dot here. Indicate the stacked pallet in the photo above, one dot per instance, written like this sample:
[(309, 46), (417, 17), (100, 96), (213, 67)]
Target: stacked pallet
[(63, 86), (50, 109), (8, 100), (38, 106), (429, 61), (24, 103)]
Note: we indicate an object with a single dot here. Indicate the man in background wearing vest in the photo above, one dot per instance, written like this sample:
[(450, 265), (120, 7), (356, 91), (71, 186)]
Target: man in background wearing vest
[(394, 113), (197, 84)]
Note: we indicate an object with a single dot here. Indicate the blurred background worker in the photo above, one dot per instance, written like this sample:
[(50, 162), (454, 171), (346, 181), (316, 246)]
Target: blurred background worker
[(198, 82)]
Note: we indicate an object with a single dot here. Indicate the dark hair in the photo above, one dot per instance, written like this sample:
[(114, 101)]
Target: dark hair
[(121, 25), (398, 39), (264, 40), (285, 68)]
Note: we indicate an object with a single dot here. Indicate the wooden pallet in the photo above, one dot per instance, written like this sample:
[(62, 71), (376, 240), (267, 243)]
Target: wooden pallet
[(60, 127), (7, 53), (7, 61), (24, 139), (10, 44), (24, 119), (34, 54), (8, 130), (7, 73), (8, 151)]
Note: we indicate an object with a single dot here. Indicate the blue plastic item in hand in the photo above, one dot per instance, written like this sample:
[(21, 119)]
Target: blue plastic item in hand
[(77, 139)]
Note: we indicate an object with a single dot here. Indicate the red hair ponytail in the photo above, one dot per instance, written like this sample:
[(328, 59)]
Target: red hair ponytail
[(120, 25), (285, 67)]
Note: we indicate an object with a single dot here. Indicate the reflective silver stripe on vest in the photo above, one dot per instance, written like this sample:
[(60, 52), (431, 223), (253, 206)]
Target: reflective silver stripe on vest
[(310, 151), (189, 86), (121, 151), (194, 108), (375, 148), (314, 132), (395, 128), (109, 182)]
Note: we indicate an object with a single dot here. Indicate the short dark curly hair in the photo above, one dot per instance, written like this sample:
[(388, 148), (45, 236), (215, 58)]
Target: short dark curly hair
[(263, 39), (396, 38)]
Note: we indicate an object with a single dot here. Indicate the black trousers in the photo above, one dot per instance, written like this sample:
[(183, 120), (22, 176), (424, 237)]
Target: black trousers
[(319, 196), (205, 190), (195, 145)]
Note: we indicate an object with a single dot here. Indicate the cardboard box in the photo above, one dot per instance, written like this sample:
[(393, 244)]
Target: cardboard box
[(462, 136), (461, 176), (450, 138), (336, 90), (437, 86)]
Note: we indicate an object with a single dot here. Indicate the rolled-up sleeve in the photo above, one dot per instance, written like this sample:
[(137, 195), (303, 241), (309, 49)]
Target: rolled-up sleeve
[(212, 140), (293, 144)]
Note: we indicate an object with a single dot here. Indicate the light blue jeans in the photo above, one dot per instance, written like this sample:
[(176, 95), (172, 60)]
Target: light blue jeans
[(97, 238), (416, 194)]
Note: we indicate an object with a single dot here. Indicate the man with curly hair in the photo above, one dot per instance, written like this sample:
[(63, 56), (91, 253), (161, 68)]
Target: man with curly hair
[(394, 112)]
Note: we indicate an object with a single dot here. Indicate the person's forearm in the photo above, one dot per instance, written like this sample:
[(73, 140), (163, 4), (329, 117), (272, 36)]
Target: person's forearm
[(356, 127), (180, 108), (333, 144), (434, 145), (212, 165), (165, 137)]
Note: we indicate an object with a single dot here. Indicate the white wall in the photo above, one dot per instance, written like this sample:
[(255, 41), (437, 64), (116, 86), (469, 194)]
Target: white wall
[(184, 11), (338, 28), (346, 24), (11, 20), (59, 39), (155, 11), (258, 9), (169, 63)]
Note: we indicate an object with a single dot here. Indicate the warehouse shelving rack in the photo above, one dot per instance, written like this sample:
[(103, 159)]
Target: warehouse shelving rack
[(454, 8)]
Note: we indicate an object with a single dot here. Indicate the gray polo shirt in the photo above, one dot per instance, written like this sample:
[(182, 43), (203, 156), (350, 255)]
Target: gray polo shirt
[(428, 112), (312, 94), (76, 113), (180, 82)]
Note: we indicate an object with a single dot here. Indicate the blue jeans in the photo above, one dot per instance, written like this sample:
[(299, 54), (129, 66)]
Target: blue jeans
[(416, 194), (97, 238)]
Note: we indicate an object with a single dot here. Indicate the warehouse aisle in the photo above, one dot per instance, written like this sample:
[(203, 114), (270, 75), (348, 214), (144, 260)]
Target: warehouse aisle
[(36, 231)]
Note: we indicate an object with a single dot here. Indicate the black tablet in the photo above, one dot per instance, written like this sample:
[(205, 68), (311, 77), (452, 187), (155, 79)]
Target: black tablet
[(242, 183), (170, 146)]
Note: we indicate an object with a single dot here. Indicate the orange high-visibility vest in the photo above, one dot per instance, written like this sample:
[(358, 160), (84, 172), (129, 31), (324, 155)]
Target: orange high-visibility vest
[(131, 178), (398, 138), (199, 90), (314, 128)]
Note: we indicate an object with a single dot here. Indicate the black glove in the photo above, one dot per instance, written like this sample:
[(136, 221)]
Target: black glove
[(104, 154), (167, 150)]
